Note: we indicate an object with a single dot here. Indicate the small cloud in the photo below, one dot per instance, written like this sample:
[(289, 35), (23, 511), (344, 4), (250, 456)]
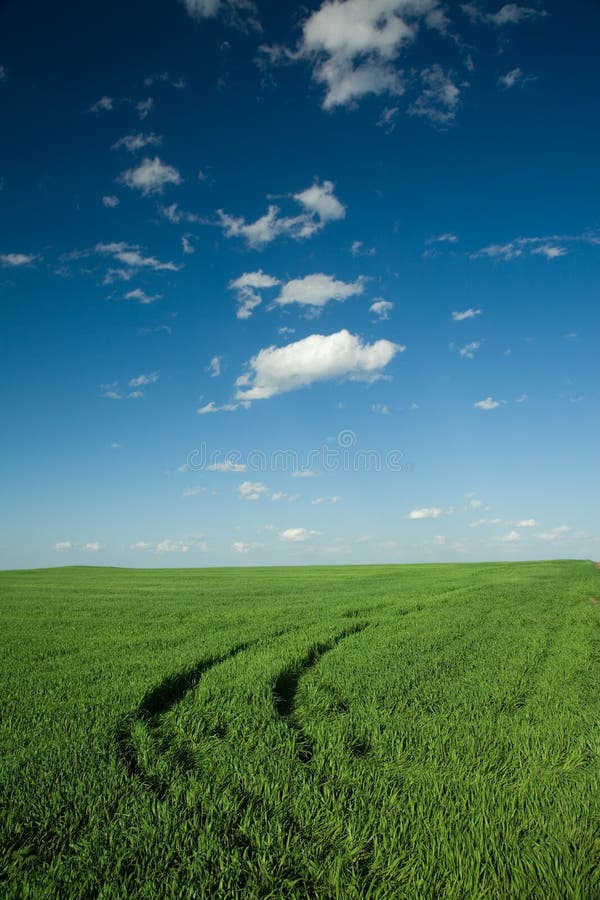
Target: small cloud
[(246, 288), (381, 308), (141, 296), (425, 512), (186, 245), (93, 546), (150, 177), (194, 491), (318, 501), (357, 248), (104, 104), (244, 546), (297, 535), (554, 534), (63, 546), (227, 466), (380, 409), (526, 523), (110, 201), (469, 350), (511, 538), (115, 445), (448, 237), (304, 473), (522, 398), (439, 540), (214, 366), (141, 380), (488, 403), (137, 141), (514, 78), (252, 490), (213, 408), (16, 260), (466, 314), (144, 107)]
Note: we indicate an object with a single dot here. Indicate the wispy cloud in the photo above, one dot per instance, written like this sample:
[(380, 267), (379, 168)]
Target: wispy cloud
[(466, 314), (319, 207), (16, 260), (137, 141)]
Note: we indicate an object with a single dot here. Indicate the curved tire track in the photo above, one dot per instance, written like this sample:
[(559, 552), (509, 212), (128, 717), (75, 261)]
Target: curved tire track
[(153, 706), (286, 687)]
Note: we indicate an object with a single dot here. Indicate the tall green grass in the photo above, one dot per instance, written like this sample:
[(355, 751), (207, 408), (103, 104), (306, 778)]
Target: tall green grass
[(331, 732)]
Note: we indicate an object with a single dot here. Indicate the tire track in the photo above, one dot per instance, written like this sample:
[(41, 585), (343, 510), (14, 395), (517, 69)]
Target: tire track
[(286, 688), (154, 705)]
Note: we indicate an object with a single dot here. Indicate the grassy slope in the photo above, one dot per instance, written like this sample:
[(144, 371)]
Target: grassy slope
[(414, 731)]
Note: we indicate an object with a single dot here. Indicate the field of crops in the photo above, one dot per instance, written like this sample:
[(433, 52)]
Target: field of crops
[(328, 732)]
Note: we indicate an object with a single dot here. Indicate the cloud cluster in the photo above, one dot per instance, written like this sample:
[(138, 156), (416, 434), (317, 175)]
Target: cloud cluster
[(246, 288), (353, 46), (276, 370), (319, 206)]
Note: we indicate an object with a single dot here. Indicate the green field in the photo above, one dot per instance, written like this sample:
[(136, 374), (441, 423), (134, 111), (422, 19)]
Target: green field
[(328, 732)]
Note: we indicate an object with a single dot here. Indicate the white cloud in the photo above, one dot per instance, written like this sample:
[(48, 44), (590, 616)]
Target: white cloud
[(172, 545), (252, 490), (141, 380), (352, 46), (526, 523), (357, 248), (213, 408), (318, 501), (469, 350), (142, 297), (131, 255), (488, 403), (151, 176), (439, 540), (466, 314), (317, 290), (176, 215), (426, 512), (14, 260), (244, 546), (104, 104), (554, 534), (276, 370), (194, 491), (165, 77), (319, 206), (246, 288), (448, 237), (63, 546), (115, 445), (227, 466), (439, 97), (137, 141), (297, 535), (550, 247), (474, 503), (550, 251), (512, 14), (93, 546), (522, 398), (214, 367), (515, 77), (186, 245), (380, 409), (381, 308), (511, 538), (144, 107), (241, 14), (304, 473), (110, 201)]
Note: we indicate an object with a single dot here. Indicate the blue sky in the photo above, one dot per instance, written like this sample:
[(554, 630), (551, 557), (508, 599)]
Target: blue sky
[(288, 284)]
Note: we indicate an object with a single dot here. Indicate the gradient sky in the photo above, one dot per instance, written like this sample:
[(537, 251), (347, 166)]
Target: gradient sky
[(295, 284)]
